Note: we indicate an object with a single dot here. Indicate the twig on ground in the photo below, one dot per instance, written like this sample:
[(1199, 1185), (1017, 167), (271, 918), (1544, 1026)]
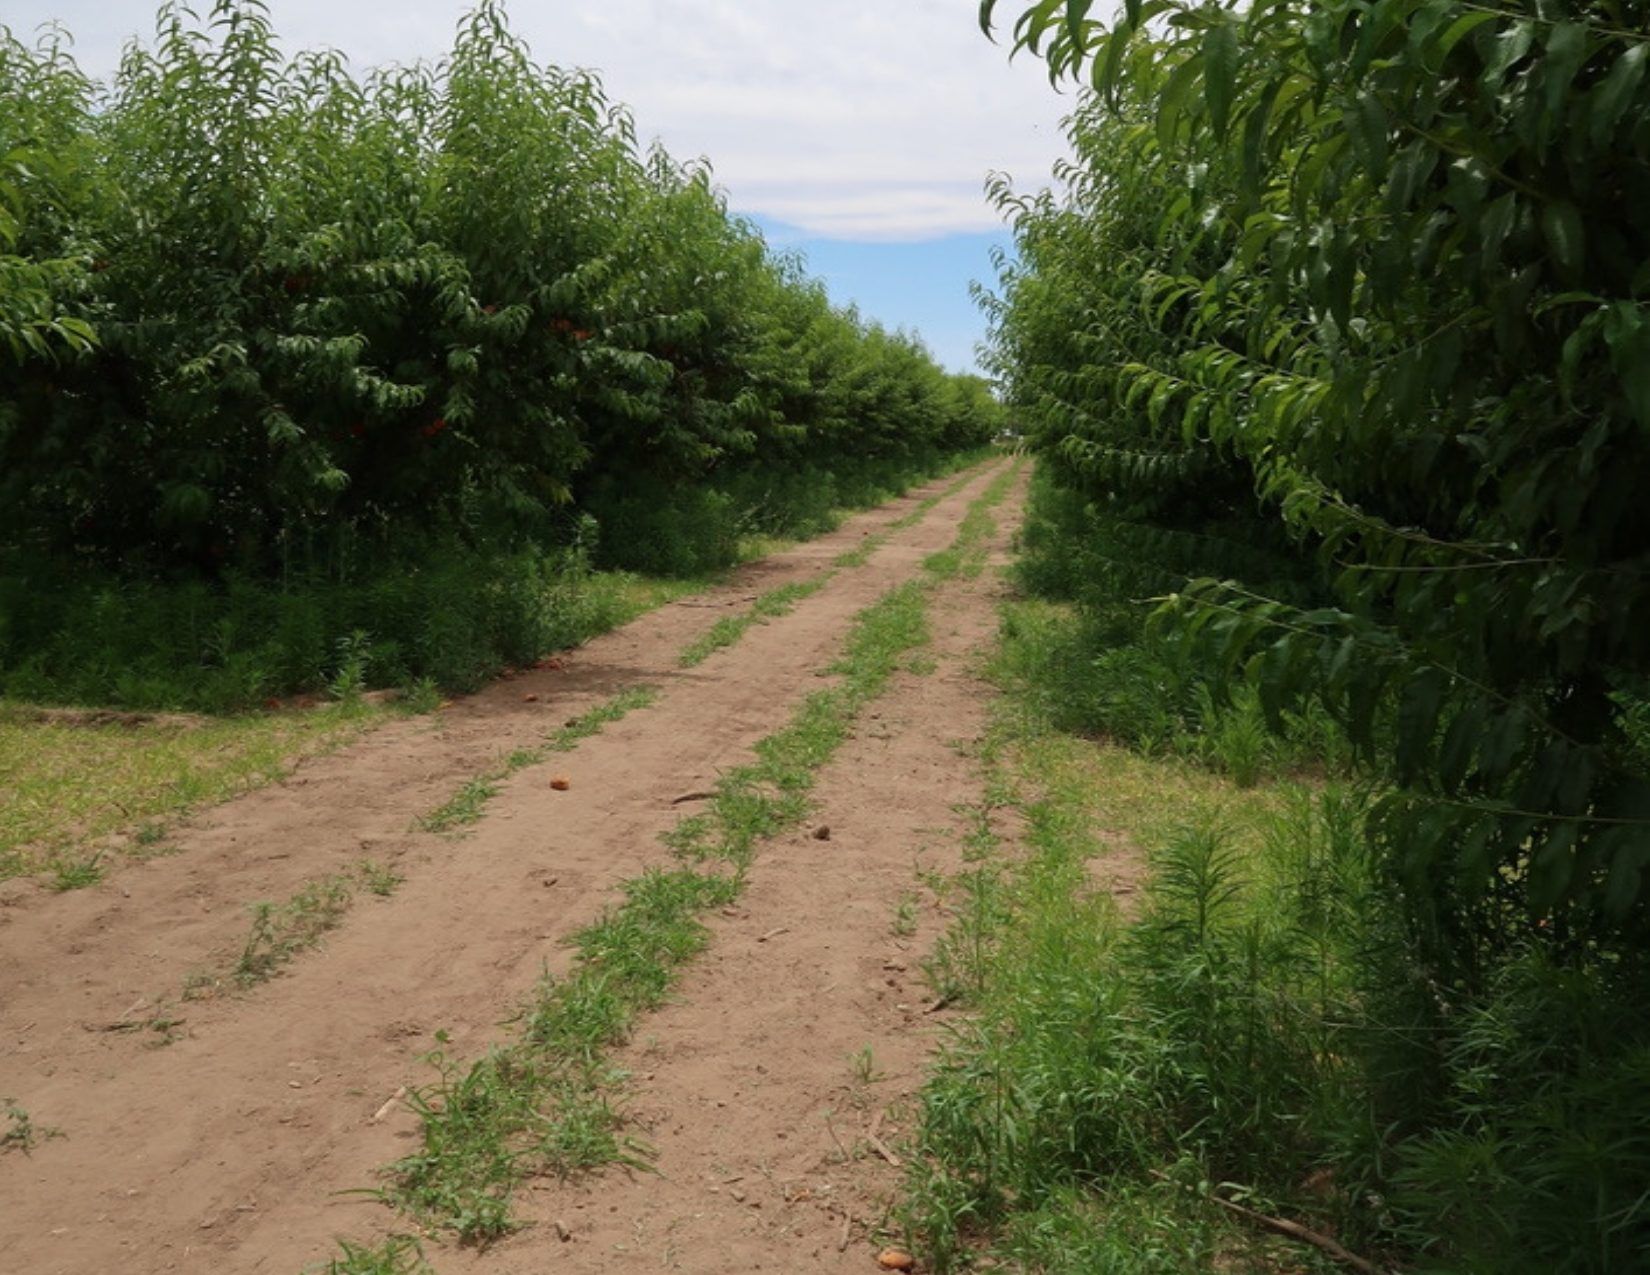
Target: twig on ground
[(1295, 1231), (389, 1104)]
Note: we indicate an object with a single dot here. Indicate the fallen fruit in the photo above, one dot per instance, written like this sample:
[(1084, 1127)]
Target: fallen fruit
[(561, 784), (894, 1260)]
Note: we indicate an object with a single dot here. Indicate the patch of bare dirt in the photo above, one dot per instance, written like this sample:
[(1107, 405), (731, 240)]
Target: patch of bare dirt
[(231, 1149)]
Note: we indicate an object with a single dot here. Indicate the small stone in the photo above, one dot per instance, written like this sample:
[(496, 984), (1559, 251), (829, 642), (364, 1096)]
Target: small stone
[(561, 783), (563, 1231), (823, 832), (737, 1194)]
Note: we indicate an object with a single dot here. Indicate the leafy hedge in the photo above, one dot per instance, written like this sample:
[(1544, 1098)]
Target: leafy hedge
[(294, 360), (452, 295), (1335, 342), (1375, 276)]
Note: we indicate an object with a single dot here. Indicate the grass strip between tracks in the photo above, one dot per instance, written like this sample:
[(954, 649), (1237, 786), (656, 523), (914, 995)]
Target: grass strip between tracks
[(545, 1101), (465, 806)]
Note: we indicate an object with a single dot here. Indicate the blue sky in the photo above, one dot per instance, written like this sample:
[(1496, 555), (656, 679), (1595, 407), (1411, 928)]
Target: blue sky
[(920, 285), (859, 132)]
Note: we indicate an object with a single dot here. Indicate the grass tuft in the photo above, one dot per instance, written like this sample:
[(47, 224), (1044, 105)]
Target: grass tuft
[(395, 1255), (21, 1132)]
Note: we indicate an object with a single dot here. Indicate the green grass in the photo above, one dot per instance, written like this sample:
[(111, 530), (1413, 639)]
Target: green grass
[(281, 932), (966, 555), (1040, 1136), (1194, 983), (22, 1132), (466, 805), (395, 1255), (546, 1101), (769, 606), (71, 785)]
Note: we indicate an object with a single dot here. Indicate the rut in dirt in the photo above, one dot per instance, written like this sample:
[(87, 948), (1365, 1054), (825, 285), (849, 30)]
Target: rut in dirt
[(228, 1150)]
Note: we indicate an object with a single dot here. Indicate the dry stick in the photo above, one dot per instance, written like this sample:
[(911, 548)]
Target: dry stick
[(389, 1104), (691, 796), (1295, 1231), (847, 1233), (881, 1148), (941, 1003)]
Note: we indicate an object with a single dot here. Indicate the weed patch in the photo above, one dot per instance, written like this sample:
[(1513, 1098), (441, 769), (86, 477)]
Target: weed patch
[(396, 1255), (280, 932), (21, 1132), (1197, 987)]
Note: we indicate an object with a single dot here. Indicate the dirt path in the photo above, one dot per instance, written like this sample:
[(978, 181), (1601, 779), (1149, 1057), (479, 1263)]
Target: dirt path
[(796, 1042), (226, 1150)]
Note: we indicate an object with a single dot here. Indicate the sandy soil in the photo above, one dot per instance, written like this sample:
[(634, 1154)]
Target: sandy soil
[(230, 1150)]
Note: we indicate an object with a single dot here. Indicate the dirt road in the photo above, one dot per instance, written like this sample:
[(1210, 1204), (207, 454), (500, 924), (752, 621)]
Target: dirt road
[(233, 1148)]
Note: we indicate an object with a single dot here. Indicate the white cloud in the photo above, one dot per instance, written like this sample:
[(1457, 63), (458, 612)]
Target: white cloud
[(860, 119)]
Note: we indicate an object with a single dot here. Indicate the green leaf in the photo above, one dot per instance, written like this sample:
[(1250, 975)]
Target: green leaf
[(1461, 738), (1108, 63), (1412, 168), (1220, 55), (1552, 867), (1367, 123), (1171, 103), (1561, 226), (1418, 706), (1627, 333), (1566, 51), (1510, 47), (1459, 30), (1254, 136), (1076, 12), (1615, 91)]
